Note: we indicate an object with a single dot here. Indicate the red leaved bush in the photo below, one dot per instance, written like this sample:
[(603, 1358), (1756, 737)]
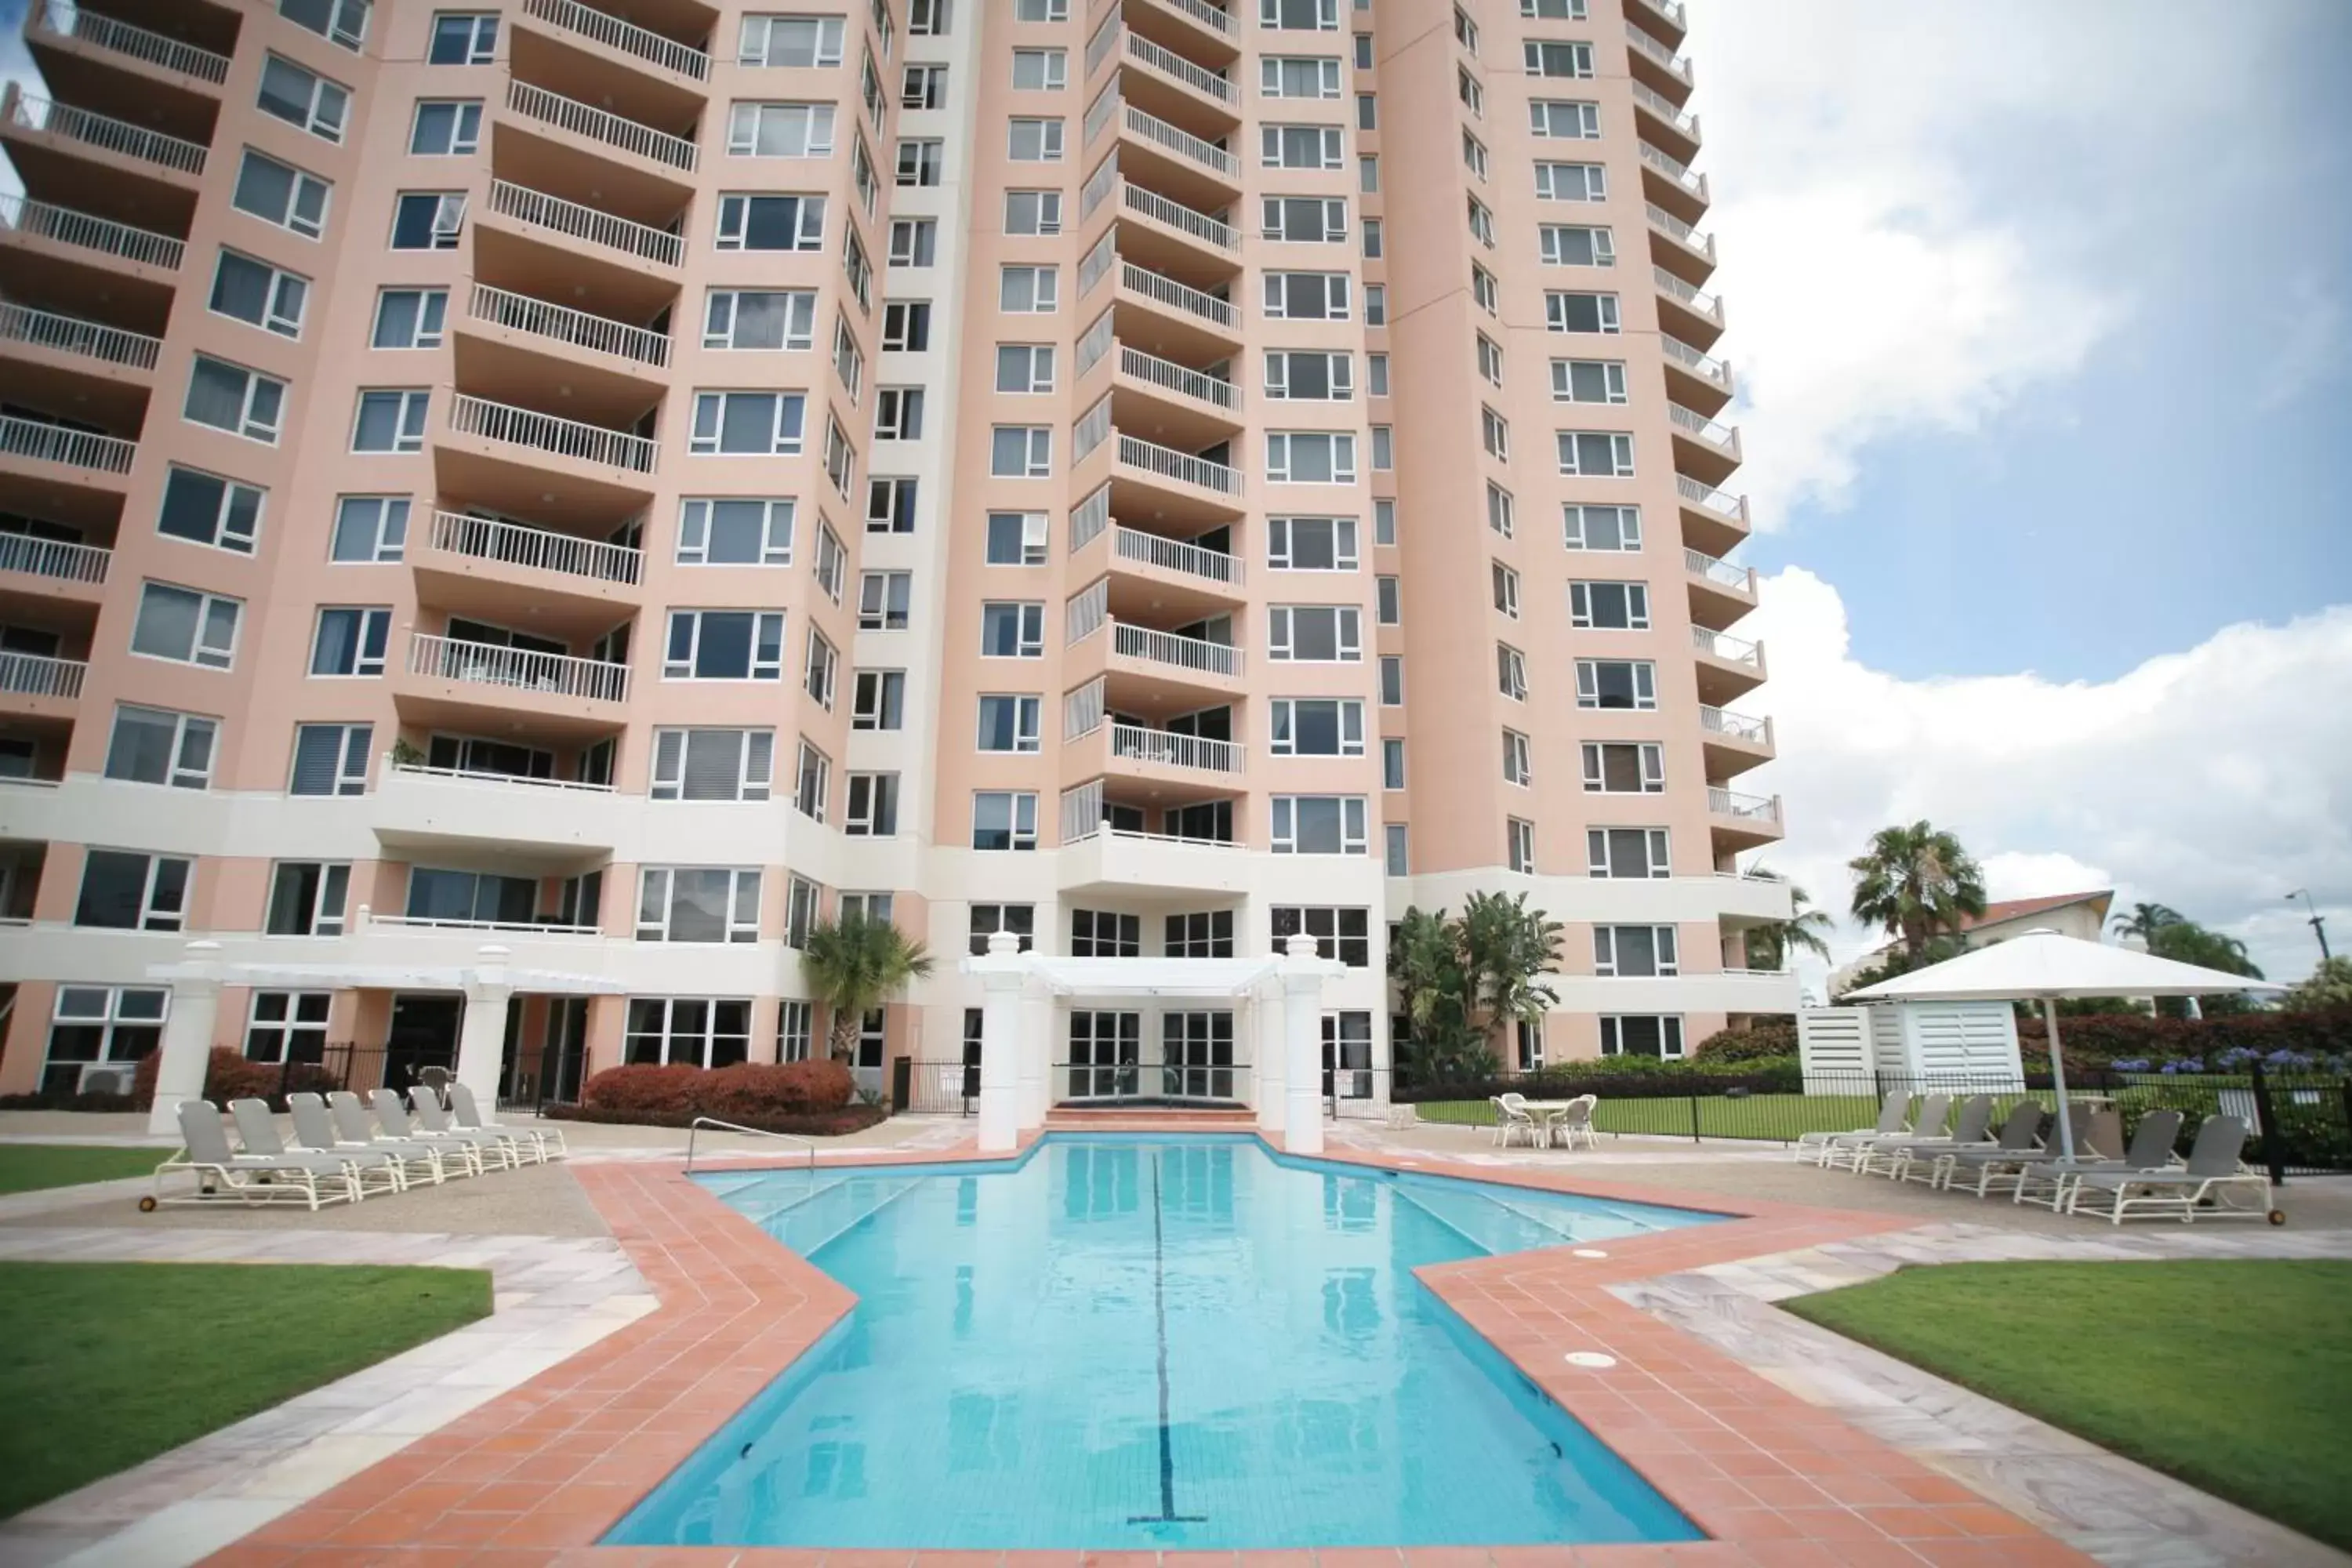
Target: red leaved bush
[(750, 1092), (229, 1076)]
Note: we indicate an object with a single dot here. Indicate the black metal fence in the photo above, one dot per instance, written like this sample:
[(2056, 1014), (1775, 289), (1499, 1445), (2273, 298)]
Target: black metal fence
[(935, 1088)]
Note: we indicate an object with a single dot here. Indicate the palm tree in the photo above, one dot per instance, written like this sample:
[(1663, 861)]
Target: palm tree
[(2145, 919), (1915, 882), (1771, 944), (854, 965)]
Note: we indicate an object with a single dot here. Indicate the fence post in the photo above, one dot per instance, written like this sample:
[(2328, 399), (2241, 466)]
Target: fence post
[(1694, 1110), (2274, 1135)]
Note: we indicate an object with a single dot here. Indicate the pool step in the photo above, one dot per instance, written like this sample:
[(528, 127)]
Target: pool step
[(831, 1210), (1494, 1224), (1220, 1117)]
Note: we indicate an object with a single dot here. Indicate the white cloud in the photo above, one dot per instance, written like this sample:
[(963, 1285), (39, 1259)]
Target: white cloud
[(2214, 780)]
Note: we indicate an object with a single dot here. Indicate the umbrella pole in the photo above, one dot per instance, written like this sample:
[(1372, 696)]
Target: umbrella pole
[(2058, 1078)]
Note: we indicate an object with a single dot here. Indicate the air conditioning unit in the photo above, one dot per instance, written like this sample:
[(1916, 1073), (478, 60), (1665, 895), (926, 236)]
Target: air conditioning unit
[(105, 1078)]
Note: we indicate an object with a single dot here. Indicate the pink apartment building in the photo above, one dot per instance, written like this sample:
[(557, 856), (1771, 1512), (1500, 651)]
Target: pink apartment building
[(510, 510)]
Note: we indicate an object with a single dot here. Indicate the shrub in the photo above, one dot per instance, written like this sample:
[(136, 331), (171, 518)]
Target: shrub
[(1757, 1042), (228, 1075), (1624, 1078), (2101, 1038), (754, 1093)]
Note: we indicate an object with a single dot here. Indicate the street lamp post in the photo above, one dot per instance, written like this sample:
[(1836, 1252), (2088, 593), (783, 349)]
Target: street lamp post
[(2317, 922)]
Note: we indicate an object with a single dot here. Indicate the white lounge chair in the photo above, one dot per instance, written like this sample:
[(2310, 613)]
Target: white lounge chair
[(314, 1134), (258, 1131), (1513, 1117), (393, 1117), (549, 1140), (1914, 1161), (2020, 1144), (432, 1120), (1879, 1153), (354, 1125), (1814, 1147), (2208, 1185), (2050, 1183), (253, 1180)]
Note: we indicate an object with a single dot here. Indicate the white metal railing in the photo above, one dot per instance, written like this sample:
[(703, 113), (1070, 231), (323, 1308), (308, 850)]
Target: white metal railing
[(1671, 10), (1082, 811), (1098, 113), (541, 210), (1707, 498), (68, 20), (1702, 366), (532, 927), (1092, 429), (1082, 709), (55, 444), (1135, 452), (1177, 378), (1148, 53), (68, 226), (1094, 344), (1213, 17), (35, 675), (1097, 262), (72, 335), (1103, 39), (1098, 185), (542, 549), (1731, 803), (1698, 564), (1183, 142), (1177, 216), (476, 776), (105, 131), (1137, 743), (1176, 296), (1084, 615), (1678, 231), (522, 313), (1176, 555), (1714, 432), (565, 438), (626, 36), (492, 664), (1660, 105), (1737, 726), (61, 559), (1674, 169), (1132, 641), (1730, 649), (1089, 517), (1649, 47), (1706, 305), (599, 125)]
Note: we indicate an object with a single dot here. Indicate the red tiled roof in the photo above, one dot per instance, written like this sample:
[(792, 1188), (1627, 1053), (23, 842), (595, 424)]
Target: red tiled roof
[(2015, 908)]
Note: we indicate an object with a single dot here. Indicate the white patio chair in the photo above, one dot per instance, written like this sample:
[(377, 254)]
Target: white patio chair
[(1571, 1126), (1517, 1119)]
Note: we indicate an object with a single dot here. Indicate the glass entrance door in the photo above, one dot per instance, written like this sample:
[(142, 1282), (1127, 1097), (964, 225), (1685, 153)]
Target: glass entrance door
[(1196, 1055), (1105, 1055)]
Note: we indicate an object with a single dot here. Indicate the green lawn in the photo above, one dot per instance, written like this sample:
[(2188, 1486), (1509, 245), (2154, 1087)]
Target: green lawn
[(105, 1364), (2234, 1376), (1768, 1116), (25, 1166)]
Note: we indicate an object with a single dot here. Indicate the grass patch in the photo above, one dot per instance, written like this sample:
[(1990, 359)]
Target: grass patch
[(2233, 1376), (27, 1167), (1764, 1116), (106, 1364)]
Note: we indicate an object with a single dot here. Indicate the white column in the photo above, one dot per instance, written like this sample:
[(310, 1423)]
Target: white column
[(482, 1036), (1267, 1048), (1000, 1049), (1302, 1029), (1039, 1018), (187, 1045)]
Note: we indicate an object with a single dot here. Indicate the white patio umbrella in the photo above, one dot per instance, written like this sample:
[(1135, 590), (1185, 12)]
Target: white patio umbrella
[(2043, 965)]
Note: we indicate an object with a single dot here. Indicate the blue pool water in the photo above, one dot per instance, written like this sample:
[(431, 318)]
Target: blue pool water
[(1141, 1342)]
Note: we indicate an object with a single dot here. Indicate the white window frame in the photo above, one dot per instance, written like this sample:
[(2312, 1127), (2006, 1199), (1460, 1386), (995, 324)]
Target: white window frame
[(1038, 380), (1545, 116), (1665, 948), (277, 315), (351, 745), (261, 392), (871, 808), (1046, 219), (721, 308), (1652, 763), (1571, 182), (1605, 311), (1672, 1044), (300, 182), (412, 412), (1335, 287), (677, 667), (1510, 673), (428, 328), (1519, 760), (1574, 534), (1028, 723), (328, 110), (1504, 580), (812, 781), (372, 627), (1279, 455), (821, 669), (1044, 289), (872, 706), (1339, 374), (1569, 446), (756, 42), (156, 912), (1612, 381), (1282, 719), (734, 221), (1282, 629), (1048, 131), (231, 532), (1019, 804), (788, 425), (1645, 684), (779, 518), (1520, 844), (755, 763), (1051, 68), (746, 118), (1029, 628), (1551, 244), (329, 902), (189, 731), (898, 413), (1036, 538), (1282, 536), (211, 646), (1272, 68), (1601, 861), (1355, 815), (1535, 58), (1581, 605), (465, 129), (1038, 460), (886, 600), (657, 889)]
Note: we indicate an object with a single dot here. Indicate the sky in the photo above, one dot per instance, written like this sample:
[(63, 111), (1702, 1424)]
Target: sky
[(2042, 316)]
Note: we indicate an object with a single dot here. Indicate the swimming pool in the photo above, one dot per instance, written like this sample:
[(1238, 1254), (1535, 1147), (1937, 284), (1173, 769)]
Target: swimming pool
[(1153, 1342)]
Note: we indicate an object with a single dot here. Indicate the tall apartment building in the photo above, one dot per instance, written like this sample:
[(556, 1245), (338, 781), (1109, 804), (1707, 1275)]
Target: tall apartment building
[(511, 511)]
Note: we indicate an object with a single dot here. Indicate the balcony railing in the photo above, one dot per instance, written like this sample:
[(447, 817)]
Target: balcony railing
[(1674, 169), (1177, 216), (626, 36), (57, 558), (522, 670), (1135, 452), (1650, 49), (1213, 17), (1731, 650), (546, 433), (65, 19), (599, 125), (541, 210), (1177, 378), (1137, 743), (474, 776), (1707, 498), (540, 549), (522, 314), (1714, 432), (1722, 574), (1700, 304), (1710, 369), (33, 675), (522, 928), (1199, 654), (1143, 51), (1671, 10), (1735, 726), (1176, 555), (1176, 296), (55, 444), (1680, 232), (1183, 143), (1658, 104), (67, 226), (72, 335), (1753, 807), (106, 132)]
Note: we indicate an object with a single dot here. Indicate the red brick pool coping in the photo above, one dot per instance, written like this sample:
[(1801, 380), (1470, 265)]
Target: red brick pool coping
[(534, 1477)]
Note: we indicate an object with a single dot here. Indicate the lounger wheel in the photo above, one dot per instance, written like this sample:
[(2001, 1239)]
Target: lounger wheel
[(147, 1205), (2278, 1216)]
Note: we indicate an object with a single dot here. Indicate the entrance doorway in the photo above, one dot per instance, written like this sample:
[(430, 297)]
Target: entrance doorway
[(564, 1054), (424, 1033)]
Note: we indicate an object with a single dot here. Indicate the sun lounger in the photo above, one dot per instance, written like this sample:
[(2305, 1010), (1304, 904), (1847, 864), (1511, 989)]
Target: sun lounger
[(2213, 1183), (314, 1132), (1880, 1153), (1813, 1147), (2050, 1183), (551, 1146), (252, 1179), (393, 1117), (354, 1125), (258, 1131), (433, 1120), (1993, 1173), (2020, 1144), (1971, 1128)]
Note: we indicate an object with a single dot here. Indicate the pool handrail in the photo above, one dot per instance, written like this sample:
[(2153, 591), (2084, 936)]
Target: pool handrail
[(700, 1122)]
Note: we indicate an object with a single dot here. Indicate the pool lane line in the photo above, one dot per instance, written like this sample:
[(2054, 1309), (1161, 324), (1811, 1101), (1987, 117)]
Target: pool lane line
[(1166, 1514)]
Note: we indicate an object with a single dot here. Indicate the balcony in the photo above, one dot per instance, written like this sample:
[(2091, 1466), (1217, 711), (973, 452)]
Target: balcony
[(34, 686), (546, 436), (1175, 403), (54, 240), (1692, 379), (1655, 67), (1177, 565), (596, 336), (1706, 450), (1165, 82), (658, 148), (1714, 520), (1720, 592), (416, 807), (1742, 821), (1175, 768), (1671, 185), (1164, 662), (147, 152), (1728, 666), (38, 447), (51, 569), (1098, 856), (558, 221), (63, 23), (1733, 742), (450, 681), (1192, 27), (1673, 130), (1663, 18), (1177, 164), (1170, 237), (478, 565), (1154, 310), (624, 38), (1191, 493), (1685, 312), (74, 341), (1686, 253)]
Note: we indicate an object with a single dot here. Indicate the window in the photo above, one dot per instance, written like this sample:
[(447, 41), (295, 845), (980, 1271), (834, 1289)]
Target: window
[(153, 745), (771, 223), (1004, 819), (883, 601), (1388, 598), (1021, 452), (1306, 296), (700, 904), (899, 413), (1553, 10), (1311, 377), (1604, 527), (1041, 10), (1207, 933), (871, 908), (410, 319), (1571, 183), (1644, 950), (1317, 727), (1028, 141), (840, 459), (735, 531), (1622, 852), (1339, 932), (822, 668), (390, 421), (1308, 16), (1100, 933), (123, 891), (780, 131), (1318, 825), (1625, 683), (914, 241), (1510, 673), (1040, 70), (1596, 453), (1499, 509), (305, 99), (1506, 588), (1311, 544), (1567, 246), (920, 160), (1395, 855), (370, 528), (1299, 76), (1376, 374), (91, 1024), (832, 561), (1609, 607), (923, 87), (1363, 51), (1391, 764), (789, 42), (330, 759), (795, 1030), (987, 920), (1623, 767), (1465, 31), (1391, 680), (258, 294), (205, 508), (862, 176), (1588, 380), (1580, 312), (1310, 458), (230, 397), (186, 627), (813, 786), (349, 642), (1519, 763), (1368, 112), (1376, 305), (445, 128), (1300, 147), (1482, 223), (470, 897), (878, 699), (1563, 122), (1368, 174), (848, 359), (1485, 290), (712, 764), (725, 644), (1520, 836), (760, 423), (428, 220), (1027, 368), (281, 193), (1642, 1035), (1553, 59), (766, 319), (1473, 155), (307, 897), (1494, 433), (1017, 538), (1029, 290), (907, 326), (1384, 520), (1490, 359), (687, 1031), (1033, 213), (891, 505), (288, 1027), (1314, 634), (872, 810), (870, 91), (1012, 630), (462, 39)]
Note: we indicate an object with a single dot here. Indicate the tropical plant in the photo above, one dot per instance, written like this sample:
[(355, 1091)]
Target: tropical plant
[(855, 965), (2186, 941), (1916, 883), (1773, 944), (1461, 980), (2145, 919), (2327, 986)]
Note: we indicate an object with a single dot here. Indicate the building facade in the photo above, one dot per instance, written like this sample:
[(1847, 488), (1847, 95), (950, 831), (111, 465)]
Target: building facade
[(579, 494)]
